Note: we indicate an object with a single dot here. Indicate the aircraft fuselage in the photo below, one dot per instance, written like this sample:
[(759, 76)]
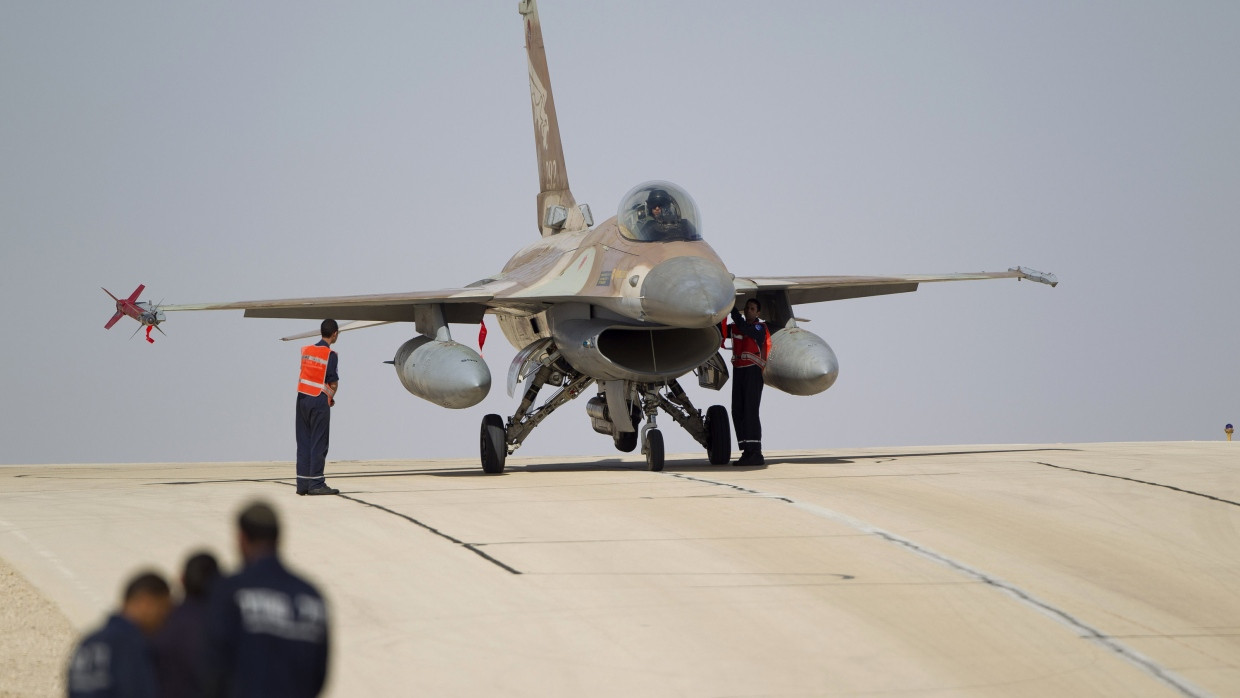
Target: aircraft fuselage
[(675, 284)]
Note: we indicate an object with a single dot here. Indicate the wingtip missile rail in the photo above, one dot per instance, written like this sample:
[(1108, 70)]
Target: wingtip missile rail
[(148, 314)]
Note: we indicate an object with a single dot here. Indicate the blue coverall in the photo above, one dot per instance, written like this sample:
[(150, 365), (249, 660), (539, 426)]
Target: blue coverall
[(112, 662), (267, 634), (313, 424)]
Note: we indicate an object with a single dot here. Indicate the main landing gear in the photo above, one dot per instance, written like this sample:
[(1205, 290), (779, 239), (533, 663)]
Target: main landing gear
[(713, 431)]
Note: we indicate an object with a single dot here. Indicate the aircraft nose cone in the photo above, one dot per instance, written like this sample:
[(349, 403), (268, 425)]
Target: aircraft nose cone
[(687, 292)]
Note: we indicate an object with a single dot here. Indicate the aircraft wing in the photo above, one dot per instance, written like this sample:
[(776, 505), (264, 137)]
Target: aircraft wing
[(461, 305), (815, 289)]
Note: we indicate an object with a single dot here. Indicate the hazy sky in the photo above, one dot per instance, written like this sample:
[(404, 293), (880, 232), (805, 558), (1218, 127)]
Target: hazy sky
[(228, 151)]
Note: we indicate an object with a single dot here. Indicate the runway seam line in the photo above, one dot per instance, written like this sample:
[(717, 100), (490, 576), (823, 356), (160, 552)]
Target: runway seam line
[(1142, 482), (1088, 632), (468, 546)]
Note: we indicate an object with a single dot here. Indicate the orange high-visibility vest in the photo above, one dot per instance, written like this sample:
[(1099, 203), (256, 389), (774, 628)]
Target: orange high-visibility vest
[(313, 370), (746, 351)]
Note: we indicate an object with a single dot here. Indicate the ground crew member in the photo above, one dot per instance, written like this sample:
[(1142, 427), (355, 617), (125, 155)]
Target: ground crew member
[(316, 393), (116, 659), (180, 644), (267, 629), (751, 344)]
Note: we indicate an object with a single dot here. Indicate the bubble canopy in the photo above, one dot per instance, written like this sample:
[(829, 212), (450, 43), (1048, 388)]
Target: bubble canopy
[(658, 212)]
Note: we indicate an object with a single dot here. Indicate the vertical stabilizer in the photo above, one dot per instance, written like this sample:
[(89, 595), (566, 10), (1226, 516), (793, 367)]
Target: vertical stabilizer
[(553, 188)]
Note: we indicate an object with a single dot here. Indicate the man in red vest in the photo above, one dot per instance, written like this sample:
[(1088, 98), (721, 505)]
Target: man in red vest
[(316, 393), (751, 345)]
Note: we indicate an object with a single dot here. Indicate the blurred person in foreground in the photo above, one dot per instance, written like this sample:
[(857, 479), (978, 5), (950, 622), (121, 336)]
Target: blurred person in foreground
[(180, 645), (267, 627), (116, 659)]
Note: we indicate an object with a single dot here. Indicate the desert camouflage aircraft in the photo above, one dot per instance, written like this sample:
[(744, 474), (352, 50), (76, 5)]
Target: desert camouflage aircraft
[(629, 306)]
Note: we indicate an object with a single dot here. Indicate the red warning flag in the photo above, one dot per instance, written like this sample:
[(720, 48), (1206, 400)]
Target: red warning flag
[(482, 336), (148, 333)]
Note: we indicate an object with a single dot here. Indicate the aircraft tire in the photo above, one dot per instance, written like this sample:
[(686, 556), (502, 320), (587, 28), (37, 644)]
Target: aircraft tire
[(718, 435), (626, 441), (654, 450), (493, 444)]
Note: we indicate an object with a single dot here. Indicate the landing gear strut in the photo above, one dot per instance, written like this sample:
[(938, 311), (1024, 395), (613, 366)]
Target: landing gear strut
[(497, 439)]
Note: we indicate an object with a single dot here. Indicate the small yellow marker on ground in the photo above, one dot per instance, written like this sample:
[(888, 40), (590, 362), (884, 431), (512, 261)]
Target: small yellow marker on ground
[(1228, 429)]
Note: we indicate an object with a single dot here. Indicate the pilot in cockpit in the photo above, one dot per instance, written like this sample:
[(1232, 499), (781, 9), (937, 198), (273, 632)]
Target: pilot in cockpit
[(663, 219)]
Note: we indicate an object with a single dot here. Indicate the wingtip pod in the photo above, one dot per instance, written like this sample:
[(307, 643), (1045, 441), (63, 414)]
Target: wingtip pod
[(1035, 275)]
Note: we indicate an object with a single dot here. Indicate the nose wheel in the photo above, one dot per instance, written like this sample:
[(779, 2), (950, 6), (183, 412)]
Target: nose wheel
[(653, 448)]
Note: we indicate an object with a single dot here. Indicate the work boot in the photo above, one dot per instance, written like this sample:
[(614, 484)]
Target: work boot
[(745, 459), (324, 489)]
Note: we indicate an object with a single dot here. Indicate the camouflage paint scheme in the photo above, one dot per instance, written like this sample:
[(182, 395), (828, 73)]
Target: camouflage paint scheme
[(606, 304)]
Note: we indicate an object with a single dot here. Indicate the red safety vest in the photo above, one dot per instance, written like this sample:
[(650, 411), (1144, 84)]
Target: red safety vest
[(314, 370), (746, 351)]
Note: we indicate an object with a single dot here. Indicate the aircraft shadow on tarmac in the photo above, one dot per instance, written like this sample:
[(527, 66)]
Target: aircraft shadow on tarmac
[(696, 464), (692, 464)]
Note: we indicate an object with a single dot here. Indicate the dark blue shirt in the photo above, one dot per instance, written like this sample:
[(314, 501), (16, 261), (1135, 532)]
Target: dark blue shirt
[(178, 650), (757, 331), (332, 376), (268, 634), (113, 661)]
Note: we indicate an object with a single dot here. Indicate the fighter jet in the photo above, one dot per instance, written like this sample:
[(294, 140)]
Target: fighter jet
[(626, 307), (146, 313)]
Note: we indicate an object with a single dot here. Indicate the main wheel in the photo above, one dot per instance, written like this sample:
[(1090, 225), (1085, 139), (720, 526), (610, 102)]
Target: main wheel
[(718, 435), (493, 443), (626, 441), (654, 450)]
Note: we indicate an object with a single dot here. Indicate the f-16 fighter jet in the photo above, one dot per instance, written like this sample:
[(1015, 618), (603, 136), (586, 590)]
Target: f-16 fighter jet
[(625, 307)]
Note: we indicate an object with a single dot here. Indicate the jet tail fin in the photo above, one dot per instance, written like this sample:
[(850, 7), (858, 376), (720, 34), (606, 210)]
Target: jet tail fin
[(557, 209)]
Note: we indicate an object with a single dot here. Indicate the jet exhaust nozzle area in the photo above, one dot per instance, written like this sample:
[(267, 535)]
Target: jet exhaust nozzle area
[(800, 363), (687, 292), (448, 374)]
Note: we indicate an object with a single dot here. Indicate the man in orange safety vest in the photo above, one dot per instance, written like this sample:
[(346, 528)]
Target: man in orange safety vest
[(316, 393)]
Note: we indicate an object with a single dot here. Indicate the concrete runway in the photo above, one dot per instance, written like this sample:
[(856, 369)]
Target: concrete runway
[(1083, 570)]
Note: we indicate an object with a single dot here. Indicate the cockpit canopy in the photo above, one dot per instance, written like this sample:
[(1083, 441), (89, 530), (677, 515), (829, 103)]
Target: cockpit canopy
[(658, 212)]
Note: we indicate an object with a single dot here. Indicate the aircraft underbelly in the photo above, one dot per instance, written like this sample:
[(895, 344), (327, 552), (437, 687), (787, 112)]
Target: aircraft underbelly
[(605, 350)]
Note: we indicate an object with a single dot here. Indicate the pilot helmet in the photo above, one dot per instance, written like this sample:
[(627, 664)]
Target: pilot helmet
[(666, 204)]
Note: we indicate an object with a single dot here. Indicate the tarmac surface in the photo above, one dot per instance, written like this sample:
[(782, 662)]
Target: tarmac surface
[(1083, 570)]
